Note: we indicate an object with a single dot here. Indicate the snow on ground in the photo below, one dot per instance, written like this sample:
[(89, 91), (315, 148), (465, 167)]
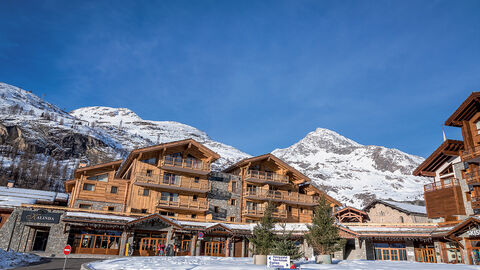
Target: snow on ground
[(198, 262), (11, 259)]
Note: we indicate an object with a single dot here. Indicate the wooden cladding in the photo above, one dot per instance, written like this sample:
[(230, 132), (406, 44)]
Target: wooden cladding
[(443, 201), (471, 153), (443, 183), (260, 212), (473, 177), (280, 196), (184, 204), (266, 177), (172, 182)]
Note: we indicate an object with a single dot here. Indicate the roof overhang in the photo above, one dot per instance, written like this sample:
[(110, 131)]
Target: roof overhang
[(466, 111), (448, 149), (464, 226), (108, 165), (155, 217)]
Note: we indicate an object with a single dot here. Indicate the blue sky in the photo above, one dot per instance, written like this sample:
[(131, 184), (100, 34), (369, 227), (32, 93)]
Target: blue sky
[(257, 75)]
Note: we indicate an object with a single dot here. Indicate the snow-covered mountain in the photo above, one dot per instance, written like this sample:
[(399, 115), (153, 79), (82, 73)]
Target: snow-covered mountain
[(131, 131), (354, 173), (351, 172)]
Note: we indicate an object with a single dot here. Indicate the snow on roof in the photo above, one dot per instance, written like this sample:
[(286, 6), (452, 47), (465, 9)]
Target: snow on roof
[(17, 196), (99, 216), (391, 229), (409, 207)]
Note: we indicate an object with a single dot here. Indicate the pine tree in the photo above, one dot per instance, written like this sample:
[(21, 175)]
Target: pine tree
[(263, 237), (322, 234), (285, 246)]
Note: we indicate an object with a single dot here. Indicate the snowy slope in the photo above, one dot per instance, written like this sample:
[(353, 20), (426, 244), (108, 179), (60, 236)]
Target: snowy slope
[(131, 131), (354, 173)]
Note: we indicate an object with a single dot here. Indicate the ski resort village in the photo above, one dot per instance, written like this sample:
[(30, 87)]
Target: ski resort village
[(128, 193)]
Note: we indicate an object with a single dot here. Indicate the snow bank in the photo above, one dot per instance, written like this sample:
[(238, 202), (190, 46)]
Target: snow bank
[(221, 263), (11, 259)]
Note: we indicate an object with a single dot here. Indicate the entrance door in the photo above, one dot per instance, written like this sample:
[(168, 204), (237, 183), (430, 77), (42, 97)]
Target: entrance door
[(40, 240), (390, 251), (426, 255), (237, 248), (215, 249), (148, 246)]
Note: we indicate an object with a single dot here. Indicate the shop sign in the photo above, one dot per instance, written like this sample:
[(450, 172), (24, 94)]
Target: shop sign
[(40, 217), (473, 232), (274, 261)]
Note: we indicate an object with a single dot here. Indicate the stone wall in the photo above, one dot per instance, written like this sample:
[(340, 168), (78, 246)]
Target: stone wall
[(96, 205), (220, 196), (381, 213)]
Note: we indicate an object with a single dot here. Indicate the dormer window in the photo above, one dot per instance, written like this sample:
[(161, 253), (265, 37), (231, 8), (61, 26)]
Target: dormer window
[(100, 177)]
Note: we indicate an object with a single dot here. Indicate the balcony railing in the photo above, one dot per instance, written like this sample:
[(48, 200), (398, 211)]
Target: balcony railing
[(443, 183), (189, 205), (186, 163), (475, 201), (176, 182), (471, 153), (266, 177), (473, 177), (260, 212), (280, 196)]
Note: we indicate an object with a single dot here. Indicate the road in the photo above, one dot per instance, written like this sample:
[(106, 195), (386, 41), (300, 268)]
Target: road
[(57, 264)]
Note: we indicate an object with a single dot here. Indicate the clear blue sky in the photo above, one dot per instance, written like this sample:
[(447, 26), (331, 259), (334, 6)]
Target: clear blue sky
[(257, 75)]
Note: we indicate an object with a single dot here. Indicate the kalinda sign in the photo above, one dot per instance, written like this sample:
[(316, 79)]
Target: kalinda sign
[(40, 217)]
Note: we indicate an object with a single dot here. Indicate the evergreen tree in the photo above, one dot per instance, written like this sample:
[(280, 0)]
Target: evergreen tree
[(263, 237), (285, 246), (323, 235)]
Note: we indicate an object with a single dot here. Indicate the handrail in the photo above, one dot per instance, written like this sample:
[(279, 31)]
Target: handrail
[(201, 205), (267, 176), (173, 181), (280, 195), (443, 183), (260, 211), (189, 163)]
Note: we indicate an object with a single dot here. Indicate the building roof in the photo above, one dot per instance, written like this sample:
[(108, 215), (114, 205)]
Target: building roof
[(448, 149), (12, 197), (403, 207), (466, 110), (136, 152)]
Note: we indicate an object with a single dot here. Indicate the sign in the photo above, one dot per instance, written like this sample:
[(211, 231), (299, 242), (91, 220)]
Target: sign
[(473, 232), (410, 253), (274, 261), (200, 236), (40, 217), (67, 249)]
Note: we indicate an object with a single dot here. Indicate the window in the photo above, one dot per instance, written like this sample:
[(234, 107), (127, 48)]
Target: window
[(401, 219), (146, 192), (111, 208), (197, 179), (144, 211), (233, 202), (194, 198), (382, 213), (232, 219), (168, 214), (85, 206), (166, 196), (289, 208), (234, 186), (194, 216), (301, 210), (100, 177), (114, 190), (149, 173), (152, 161), (89, 187), (171, 179), (216, 209)]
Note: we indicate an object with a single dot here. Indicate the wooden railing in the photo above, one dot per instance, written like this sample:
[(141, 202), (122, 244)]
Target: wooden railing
[(473, 177), (475, 201), (471, 153), (173, 181), (285, 196), (186, 163), (260, 212), (267, 176), (443, 183), (200, 205)]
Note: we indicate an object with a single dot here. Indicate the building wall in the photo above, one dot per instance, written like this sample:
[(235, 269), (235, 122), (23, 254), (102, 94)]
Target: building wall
[(220, 196), (381, 213), (4, 214), (97, 205)]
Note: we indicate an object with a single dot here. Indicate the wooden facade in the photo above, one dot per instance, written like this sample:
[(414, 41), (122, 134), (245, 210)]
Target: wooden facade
[(266, 179)]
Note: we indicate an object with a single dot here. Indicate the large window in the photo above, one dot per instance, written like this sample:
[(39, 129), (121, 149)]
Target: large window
[(89, 187), (167, 196), (390, 251), (171, 179), (100, 177)]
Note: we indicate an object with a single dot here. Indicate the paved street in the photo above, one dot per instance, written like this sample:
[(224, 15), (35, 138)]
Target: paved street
[(57, 264)]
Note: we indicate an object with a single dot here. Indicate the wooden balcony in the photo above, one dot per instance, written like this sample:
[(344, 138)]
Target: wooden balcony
[(475, 200), (280, 196), (442, 184), (183, 183), (188, 165), (471, 153), (266, 178), (186, 205), (260, 212), (473, 178), (444, 198)]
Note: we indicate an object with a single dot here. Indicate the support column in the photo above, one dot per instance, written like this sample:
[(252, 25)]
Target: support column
[(250, 249), (198, 248), (193, 246), (123, 243), (228, 247), (243, 247), (169, 239), (307, 250), (410, 250)]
